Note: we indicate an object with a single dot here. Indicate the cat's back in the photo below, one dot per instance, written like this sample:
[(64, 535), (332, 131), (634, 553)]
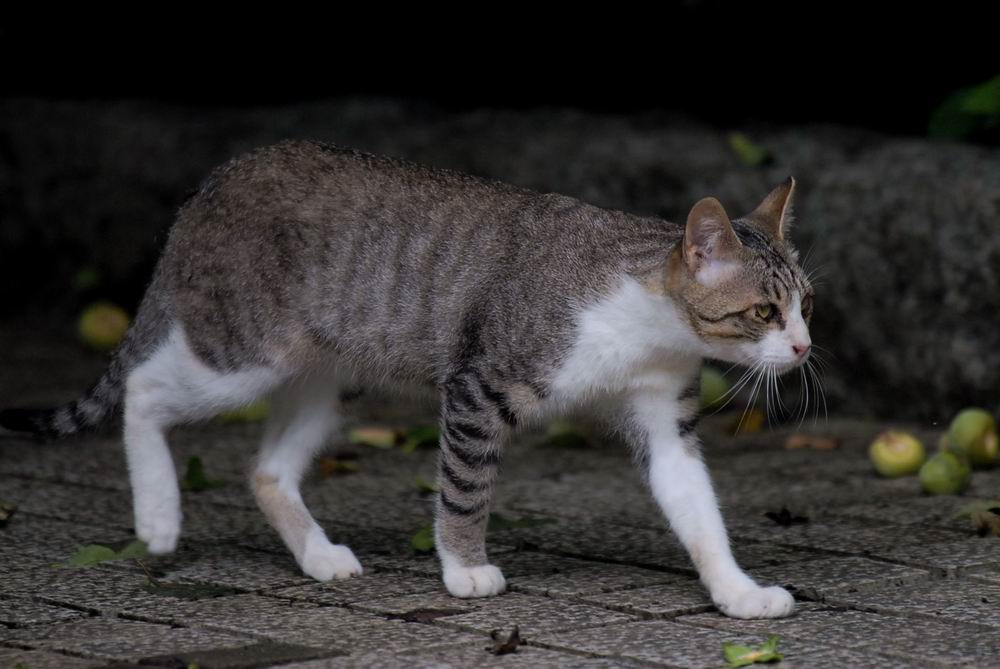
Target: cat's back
[(304, 243)]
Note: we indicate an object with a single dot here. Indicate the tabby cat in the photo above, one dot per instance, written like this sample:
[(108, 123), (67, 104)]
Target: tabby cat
[(304, 268)]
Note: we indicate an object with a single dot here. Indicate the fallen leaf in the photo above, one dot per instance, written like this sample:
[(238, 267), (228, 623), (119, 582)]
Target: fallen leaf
[(423, 540), (252, 413), (7, 510), (748, 422), (742, 656), (194, 477), (563, 434), (987, 522), (803, 440), (377, 437), (420, 437), (93, 554), (425, 615), (503, 646), (330, 466), (968, 510), (785, 518), (427, 487), (749, 154)]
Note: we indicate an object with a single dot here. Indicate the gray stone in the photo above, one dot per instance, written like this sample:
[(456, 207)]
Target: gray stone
[(532, 614), (965, 600), (942, 641), (361, 588), (663, 642), (464, 656), (298, 622), (122, 640), (20, 612), (661, 601), (590, 580), (951, 559), (11, 657), (819, 578)]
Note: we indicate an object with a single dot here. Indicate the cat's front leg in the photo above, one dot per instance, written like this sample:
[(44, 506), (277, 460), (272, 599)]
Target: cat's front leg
[(475, 424), (663, 418)]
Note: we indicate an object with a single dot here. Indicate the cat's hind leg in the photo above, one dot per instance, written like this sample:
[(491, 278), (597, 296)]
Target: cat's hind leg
[(171, 387), (302, 418)]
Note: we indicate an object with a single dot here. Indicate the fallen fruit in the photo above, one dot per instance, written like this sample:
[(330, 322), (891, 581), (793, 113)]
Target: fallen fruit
[(102, 326), (895, 454), (944, 474), (749, 422), (973, 432), (251, 413), (379, 437), (714, 387)]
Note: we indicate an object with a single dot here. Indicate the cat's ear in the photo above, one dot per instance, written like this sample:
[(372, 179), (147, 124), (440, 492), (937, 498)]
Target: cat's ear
[(774, 214), (711, 248)]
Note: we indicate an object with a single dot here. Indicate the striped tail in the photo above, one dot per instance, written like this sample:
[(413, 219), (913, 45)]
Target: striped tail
[(104, 399)]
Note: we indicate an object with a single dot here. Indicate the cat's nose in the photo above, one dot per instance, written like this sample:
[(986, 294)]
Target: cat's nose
[(801, 350)]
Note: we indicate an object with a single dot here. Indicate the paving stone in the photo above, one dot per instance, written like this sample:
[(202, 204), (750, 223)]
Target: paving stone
[(22, 612), (840, 536), (938, 641), (361, 588), (594, 578), (105, 590), (99, 464), (951, 558), (259, 654), (667, 643), (986, 576), (817, 579), (92, 506), (936, 510), (532, 614), (295, 622), (36, 659), (965, 600), (467, 655), (662, 601), (122, 640), (231, 566)]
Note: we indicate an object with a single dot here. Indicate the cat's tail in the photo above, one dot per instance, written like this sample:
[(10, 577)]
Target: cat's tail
[(104, 399)]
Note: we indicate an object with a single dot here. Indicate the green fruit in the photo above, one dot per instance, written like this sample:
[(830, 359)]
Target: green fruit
[(944, 474), (895, 454), (714, 387), (251, 413), (973, 432), (102, 326)]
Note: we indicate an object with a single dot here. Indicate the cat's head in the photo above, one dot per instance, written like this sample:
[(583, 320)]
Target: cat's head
[(747, 299)]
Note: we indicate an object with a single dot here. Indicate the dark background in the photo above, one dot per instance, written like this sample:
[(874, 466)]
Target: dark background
[(107, 122)]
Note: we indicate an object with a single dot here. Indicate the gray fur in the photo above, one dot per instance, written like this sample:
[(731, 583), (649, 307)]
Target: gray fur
[(304, 254)]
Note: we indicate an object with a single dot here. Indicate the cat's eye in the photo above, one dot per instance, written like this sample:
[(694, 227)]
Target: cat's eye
[(807, 306), (765, 311)]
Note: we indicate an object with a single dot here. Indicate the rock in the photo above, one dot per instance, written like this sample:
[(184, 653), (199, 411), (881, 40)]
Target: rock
[(901, 232)]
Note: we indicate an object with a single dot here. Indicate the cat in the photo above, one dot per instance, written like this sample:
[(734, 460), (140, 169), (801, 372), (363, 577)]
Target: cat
[(303, 268)]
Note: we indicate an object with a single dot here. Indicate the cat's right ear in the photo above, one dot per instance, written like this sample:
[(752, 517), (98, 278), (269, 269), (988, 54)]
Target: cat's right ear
[(711, 248)]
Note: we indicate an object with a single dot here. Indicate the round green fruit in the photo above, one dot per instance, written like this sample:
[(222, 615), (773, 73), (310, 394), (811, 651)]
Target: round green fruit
[(714, 387), (944, 474), (973, 432), (102, 326), (895, 454)]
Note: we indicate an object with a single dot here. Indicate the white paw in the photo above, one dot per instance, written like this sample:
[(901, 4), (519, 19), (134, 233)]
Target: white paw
[(325, 562), (482, 581), (757, 602), (159, 530)]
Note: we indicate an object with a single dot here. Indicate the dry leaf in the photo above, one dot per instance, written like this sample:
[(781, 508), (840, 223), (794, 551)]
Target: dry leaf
[(804, 440), (503, 646)]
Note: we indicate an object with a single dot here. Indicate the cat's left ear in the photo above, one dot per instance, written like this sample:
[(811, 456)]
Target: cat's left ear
[(774, 214)]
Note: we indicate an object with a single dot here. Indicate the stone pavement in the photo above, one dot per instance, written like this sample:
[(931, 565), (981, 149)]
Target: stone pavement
[(884, 576)]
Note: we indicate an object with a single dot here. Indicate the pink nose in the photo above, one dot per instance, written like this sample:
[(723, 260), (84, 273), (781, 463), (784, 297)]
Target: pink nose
[(801, 350)]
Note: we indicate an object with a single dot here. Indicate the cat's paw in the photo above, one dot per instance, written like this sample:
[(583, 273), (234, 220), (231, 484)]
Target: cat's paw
[(326, 561), (160, 531), (757, 602), (483, 581)]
